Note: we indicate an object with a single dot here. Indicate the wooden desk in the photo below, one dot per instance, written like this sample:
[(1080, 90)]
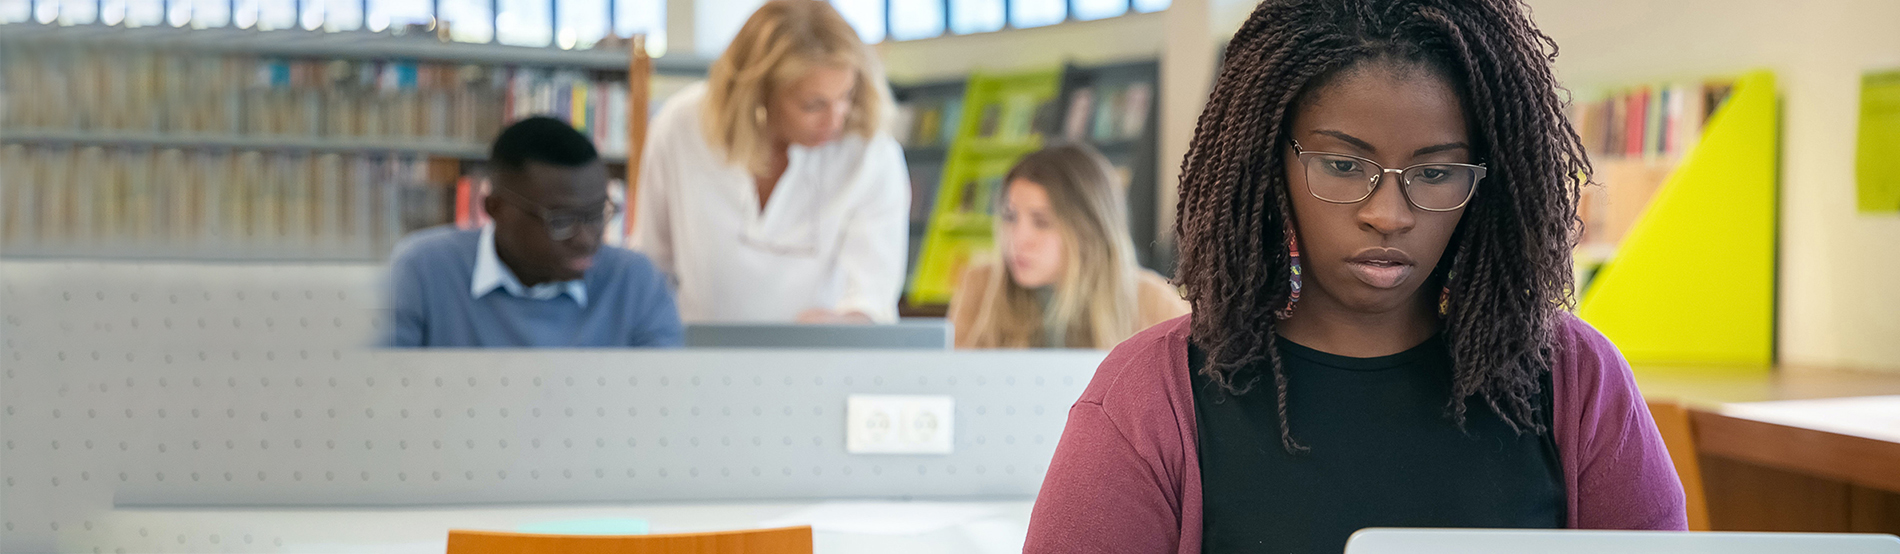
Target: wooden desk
[(1797, 449)]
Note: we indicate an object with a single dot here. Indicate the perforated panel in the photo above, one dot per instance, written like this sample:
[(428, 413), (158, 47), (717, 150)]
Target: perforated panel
[(136, 385)]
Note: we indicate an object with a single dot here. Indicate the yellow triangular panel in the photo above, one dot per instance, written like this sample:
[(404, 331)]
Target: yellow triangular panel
[(1694, 280)]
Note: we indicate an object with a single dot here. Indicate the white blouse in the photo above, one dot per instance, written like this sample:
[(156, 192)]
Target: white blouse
[(832, 235)]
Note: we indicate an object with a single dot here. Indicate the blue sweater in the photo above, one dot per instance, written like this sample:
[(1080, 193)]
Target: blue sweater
[(627, 301)]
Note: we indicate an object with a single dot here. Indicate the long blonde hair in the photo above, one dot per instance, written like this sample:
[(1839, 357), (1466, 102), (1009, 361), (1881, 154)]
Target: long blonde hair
[(1094, 303), (777, 46)]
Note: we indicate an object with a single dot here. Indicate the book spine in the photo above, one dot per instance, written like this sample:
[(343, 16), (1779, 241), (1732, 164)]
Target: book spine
[(464, 200)]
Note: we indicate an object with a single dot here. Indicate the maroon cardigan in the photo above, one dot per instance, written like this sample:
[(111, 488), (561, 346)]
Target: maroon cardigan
[(1127, 476)]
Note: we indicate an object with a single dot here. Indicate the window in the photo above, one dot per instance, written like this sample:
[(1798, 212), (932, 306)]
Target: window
[(717, 21), (341, 15), (523, 23), (633, 17), (276, 14), (915, 19), (112, 12), (210, 13), (385, 14), (468, 20), (1024, 14), (1150, 6), (975, 16), (312, 17), (244, 13), (78, 12), (582, 23), (1090, 10), (144, 13), (179, 14), (867, 16), (15, 11)]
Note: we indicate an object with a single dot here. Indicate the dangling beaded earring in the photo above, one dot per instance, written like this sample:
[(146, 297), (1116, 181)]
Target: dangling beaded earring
[(1444, 296), (1293, 255)]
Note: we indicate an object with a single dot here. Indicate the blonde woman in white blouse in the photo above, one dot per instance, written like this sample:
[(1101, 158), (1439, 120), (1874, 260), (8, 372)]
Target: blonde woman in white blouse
[(771, 193)]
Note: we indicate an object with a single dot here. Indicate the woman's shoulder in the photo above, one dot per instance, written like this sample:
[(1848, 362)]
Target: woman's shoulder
[(681, 111), (1586, 367), (976, 272), (1149, 281), (966, 299), (1582, 347), (1157, 298)]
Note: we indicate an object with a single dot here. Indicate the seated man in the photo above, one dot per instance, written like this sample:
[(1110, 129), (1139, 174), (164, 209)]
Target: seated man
[(538, 275)]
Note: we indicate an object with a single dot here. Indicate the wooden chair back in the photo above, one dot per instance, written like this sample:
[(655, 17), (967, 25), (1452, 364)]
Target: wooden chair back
[(1678, 434)]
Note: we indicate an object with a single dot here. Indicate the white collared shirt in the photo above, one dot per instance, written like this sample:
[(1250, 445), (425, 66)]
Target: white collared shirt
[(491, 274), (832, 235)]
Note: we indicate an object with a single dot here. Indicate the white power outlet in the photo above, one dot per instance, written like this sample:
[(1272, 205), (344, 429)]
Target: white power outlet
[(876, 424)]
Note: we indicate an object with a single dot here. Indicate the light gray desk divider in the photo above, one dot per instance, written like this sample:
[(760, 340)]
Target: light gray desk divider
[(921, 333), (129, 385)]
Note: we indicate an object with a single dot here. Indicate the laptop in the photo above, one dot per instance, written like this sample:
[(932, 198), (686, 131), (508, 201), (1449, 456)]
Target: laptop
[(927, 333), (1521, 541)]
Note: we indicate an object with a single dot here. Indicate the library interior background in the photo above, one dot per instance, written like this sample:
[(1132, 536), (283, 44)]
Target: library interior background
[(199, 199)]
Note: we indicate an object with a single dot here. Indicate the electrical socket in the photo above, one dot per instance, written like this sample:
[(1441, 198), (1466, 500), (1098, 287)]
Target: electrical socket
[(887, 424)]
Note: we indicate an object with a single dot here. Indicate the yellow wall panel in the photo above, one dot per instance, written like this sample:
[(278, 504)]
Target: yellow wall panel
[(1694, 280)]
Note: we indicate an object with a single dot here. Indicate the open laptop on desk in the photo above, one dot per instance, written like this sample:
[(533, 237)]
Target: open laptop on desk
[(1516, 541), (909, 333)]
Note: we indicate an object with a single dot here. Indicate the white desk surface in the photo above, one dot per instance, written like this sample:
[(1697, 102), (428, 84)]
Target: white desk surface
[(838, 526), (1873, 417)]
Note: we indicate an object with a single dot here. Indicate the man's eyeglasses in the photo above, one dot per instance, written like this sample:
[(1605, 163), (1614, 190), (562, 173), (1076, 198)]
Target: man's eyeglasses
[(1348, 179), (561, 225)]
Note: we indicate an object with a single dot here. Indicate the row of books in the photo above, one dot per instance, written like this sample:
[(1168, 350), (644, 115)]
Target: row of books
[(1108, 113), (107, 90), (1648, 121), (1015, 118), (927, 123), (1095, 114), (211, 203)]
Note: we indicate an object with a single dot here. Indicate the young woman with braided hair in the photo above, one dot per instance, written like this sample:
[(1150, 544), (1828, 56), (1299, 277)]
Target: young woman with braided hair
[(1376, 217)]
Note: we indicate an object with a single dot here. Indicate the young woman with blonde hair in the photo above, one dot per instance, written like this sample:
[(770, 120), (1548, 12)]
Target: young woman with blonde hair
[(1065, 273), (771, 193)]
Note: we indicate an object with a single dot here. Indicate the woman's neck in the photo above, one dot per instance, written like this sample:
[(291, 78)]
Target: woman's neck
[(1326, 326), (767, 182)]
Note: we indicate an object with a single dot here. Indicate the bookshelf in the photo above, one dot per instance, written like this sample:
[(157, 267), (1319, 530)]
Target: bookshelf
[(926, 125), (1691, 279), (996, 124), (958, 156), (1115, 108), (358, 45), (1636, 138), (223, 144), (433, 148)]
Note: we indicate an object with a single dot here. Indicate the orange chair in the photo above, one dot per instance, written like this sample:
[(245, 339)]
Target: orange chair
[(790, 540), (1678, 434)]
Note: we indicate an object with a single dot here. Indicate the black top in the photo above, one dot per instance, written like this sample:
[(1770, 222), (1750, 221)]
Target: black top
[(1384, 454)]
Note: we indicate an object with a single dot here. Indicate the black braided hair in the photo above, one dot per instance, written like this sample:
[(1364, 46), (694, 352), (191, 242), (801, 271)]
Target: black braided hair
[(1514, 242)]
